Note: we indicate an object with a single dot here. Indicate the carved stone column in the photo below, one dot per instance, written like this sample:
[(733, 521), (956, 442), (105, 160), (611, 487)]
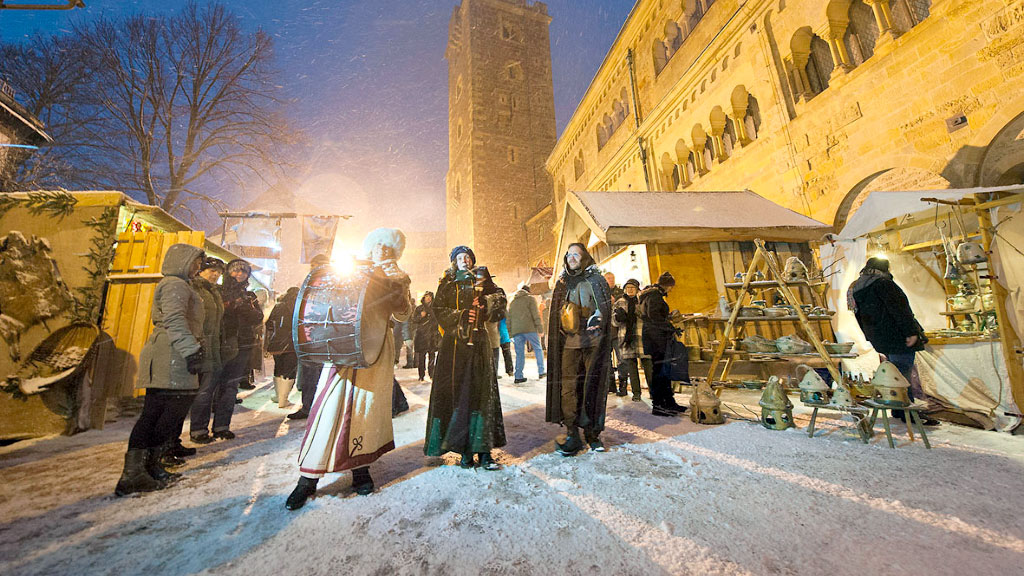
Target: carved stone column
[(803, 84), (883, 17)]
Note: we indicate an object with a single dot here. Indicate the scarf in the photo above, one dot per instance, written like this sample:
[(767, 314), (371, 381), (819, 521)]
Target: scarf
[(868, 276)]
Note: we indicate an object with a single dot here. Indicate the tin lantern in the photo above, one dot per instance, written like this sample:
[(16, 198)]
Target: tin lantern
[(776, 409), (705, 407), (891, 388)]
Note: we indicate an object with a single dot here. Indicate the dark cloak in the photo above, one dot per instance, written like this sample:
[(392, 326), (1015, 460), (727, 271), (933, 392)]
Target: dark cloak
[(592, 413), (464, 415)]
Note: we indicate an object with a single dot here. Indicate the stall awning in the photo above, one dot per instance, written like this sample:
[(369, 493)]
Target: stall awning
[(618, 218)]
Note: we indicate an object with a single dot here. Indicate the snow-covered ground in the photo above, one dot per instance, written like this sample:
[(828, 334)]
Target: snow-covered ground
[(669, 497)]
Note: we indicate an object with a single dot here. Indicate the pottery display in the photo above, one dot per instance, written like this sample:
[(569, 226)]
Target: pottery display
[(891, 388), (813, 389), (794, 270), (776, 312), (839, 347), (792, 344), (842, 396), (758, 344)]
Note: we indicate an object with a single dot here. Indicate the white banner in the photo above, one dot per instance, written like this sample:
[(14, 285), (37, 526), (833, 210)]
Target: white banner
[(318, 236)]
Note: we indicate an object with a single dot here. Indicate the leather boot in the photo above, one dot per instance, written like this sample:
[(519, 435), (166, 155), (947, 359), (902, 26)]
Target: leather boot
[(362, 483), (135, 478), (466, 461), (156, 468), (303, 490), (572, 444), (487, 462)]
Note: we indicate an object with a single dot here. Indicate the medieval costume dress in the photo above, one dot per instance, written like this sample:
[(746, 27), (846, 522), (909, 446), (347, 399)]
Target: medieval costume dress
[(464, 415), (579, 356), (349, 426)]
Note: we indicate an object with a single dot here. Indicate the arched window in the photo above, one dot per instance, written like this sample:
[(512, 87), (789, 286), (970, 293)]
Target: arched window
[(624, 96), (669, 175), (691, 167), (660, 53), (709, 153), (618, 114), (861, 34), (819, 65), (909, 13), (695, 14), (577, 165), (602, 136), (673, 37), (752, 120)]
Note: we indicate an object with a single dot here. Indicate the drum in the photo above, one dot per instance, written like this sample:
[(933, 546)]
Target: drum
[(342, 319)]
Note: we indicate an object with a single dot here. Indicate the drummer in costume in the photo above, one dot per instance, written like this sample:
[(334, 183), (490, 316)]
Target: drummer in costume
[(349, 425), (465, 410), (579, 351)]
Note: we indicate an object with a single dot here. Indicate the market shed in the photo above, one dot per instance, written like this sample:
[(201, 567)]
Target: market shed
[(703, 238), (77, 274)]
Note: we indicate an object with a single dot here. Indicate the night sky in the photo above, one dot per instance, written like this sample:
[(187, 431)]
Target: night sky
[(369, 86)]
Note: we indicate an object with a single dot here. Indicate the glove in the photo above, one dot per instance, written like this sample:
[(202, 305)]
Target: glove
[(194, 361), (621, 316)]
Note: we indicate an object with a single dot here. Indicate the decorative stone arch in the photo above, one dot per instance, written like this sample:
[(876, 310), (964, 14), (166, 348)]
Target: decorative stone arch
[(673, 37), (685, 163), (901, 178), (618, 114), (718, 121), (602, 136), (624, 98), (669, 173), (659, 53), (700, 142), (1002, 162)]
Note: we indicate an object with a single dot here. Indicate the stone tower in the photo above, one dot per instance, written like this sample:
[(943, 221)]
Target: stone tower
[(501, 130)]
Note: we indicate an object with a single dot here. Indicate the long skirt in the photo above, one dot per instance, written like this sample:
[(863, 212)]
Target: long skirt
[(349, 425), (465, 409)]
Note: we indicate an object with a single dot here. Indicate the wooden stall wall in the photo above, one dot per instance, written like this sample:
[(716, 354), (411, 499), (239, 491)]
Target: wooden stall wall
[(133, 277), (692, 267)]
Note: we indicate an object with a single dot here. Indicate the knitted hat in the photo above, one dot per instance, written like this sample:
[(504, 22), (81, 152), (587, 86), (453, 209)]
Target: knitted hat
[(666, 279), (462, 250), (212, 263), (632, 282)]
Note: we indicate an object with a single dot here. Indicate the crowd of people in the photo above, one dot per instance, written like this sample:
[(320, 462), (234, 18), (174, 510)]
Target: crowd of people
[(209, 330)]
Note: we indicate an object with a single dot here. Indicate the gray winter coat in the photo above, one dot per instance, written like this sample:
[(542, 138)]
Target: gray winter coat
[(177, 325), (213, 315), (523, 315)]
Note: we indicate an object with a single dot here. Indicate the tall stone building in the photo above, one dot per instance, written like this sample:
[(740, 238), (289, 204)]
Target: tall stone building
[(809, 103), (501, 131)]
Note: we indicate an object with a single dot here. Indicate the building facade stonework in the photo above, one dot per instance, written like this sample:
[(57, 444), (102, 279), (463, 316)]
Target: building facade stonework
[(809, 103), (501, 132)]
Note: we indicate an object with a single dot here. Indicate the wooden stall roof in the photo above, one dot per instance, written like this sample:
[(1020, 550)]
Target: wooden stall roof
[(636, 217)]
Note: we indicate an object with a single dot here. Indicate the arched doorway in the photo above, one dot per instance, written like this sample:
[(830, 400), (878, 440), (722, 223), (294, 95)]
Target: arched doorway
[(893, 179)]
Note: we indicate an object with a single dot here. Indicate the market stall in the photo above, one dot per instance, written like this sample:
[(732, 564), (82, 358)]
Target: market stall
[(77, 274), (707, 240), (957, 255)]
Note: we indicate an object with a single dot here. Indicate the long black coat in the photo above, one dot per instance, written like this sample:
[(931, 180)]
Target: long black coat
[(601, 362), (885, 317), (464, 414), (427, 336)]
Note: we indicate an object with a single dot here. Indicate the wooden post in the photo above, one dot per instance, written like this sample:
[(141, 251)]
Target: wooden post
[(727, 330), (1007, 337)]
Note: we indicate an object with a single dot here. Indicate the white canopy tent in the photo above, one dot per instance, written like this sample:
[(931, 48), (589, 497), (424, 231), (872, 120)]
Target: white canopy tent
[(972, 377)]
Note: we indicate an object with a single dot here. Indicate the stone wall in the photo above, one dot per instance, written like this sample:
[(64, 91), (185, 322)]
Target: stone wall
[(928, 99), (502, 129)]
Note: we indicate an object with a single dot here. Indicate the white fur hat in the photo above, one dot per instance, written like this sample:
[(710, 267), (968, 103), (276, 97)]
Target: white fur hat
[(390, 237)]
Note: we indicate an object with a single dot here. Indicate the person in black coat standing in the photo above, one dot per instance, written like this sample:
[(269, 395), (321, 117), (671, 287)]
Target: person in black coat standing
[(657, 332), (427, 337), (884, 316)]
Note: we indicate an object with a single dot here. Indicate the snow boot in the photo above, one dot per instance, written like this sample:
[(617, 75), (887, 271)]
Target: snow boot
[(303, 490), (362, 483), (134, 478), (572, 444), (466, 461), (282, 388), (155, 467)]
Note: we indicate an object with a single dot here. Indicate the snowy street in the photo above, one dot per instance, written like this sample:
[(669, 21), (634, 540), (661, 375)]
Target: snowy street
[(668, 497)]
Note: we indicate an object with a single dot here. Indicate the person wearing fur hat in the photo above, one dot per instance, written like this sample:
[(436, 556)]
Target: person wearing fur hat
[(349, 426), (657, 331), (464, 415), (625, 319), (579, 352), (169, 367)]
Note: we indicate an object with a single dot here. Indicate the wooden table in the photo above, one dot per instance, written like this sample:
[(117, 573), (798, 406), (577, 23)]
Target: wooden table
[(911, 412)]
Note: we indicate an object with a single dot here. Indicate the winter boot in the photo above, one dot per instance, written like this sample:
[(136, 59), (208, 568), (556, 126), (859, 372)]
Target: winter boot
[(362, 483), (594, 440), (572, 444), (155, 467), (134, 478), (282, 388), (466, 461), (178, 450), (303, 490), (487, 462)]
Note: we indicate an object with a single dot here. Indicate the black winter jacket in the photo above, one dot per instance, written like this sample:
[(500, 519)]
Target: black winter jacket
[(885, 317)]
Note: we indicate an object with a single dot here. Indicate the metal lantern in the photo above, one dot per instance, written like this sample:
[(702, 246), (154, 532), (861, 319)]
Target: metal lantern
[(813, 389), (891, 388), (705, 407), (776, 409)]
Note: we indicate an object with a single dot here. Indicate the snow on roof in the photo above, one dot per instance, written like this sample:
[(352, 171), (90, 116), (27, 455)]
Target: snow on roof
[(630, 217)]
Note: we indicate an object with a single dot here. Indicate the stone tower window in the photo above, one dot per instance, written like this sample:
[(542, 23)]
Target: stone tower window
[(819, 65), (458, 88), (514, 71), (510, 31), (458, 131), (909, 13), (577, 165), (513, 157)]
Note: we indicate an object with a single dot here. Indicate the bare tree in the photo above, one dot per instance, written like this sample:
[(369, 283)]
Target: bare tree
[(171, 108)]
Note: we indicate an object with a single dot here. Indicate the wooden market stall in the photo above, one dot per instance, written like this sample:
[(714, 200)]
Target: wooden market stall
[(95, 258), (707, 240), (958, 256)]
